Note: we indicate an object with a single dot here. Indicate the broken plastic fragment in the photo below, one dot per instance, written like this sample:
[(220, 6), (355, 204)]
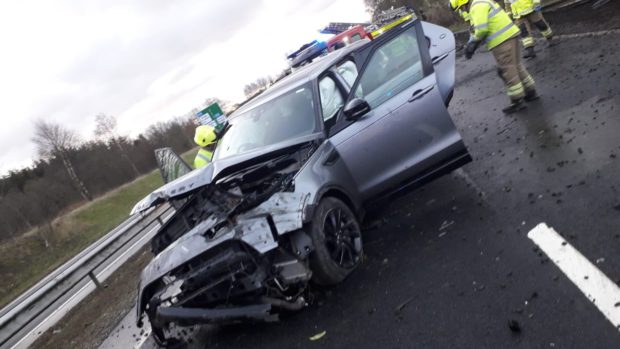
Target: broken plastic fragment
[(445, 225), (318, 336), (402, 305)]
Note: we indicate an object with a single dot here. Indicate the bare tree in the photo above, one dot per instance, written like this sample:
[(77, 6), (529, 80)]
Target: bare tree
[(105, 128), (259, 85), (53, 140), (434, 11)]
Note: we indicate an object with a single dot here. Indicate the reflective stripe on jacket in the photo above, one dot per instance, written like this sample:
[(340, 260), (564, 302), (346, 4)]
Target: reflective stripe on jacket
[(520, 8), (491, 23), (203, 158)]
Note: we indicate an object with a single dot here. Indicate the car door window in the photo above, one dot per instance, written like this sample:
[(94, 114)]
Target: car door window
[(393, 67), (331, 98), (348, 71)]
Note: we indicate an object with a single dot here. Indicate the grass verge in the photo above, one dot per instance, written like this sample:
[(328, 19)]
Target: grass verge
[(28, 258)]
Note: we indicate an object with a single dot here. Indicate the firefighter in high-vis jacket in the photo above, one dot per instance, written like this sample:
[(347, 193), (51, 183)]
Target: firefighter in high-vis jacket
[(493, 26), (527, 13), (205, 137)]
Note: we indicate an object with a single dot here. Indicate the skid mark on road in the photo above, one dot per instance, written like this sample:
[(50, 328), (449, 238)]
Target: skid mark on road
[(595, 285)]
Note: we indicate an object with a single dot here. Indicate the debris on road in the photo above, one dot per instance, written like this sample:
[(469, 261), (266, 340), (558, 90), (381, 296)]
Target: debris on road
[(600, 260), (514, 326), (402, 305), (318, 336), (445, 225)]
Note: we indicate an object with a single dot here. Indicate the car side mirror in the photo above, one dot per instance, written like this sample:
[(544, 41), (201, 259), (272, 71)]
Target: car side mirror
[(355, 109)]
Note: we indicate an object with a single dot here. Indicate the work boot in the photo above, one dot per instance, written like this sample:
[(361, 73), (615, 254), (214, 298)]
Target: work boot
[(515, 107), (529, 52), (531, 96)]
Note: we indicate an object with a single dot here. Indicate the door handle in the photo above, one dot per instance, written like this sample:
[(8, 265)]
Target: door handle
[(438, 59), (420, 93)]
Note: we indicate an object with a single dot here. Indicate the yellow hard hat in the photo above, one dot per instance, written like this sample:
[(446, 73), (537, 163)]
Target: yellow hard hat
[(457, 4), (205, 135)]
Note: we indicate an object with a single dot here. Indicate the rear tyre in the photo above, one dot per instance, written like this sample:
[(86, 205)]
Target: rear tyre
[(337, 239)]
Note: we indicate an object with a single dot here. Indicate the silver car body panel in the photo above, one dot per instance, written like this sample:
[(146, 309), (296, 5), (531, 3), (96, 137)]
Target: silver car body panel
[(404, 136), (286, 209), (443, 56)]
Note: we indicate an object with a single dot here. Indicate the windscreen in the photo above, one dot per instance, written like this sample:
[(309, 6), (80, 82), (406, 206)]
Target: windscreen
[(285, 117)]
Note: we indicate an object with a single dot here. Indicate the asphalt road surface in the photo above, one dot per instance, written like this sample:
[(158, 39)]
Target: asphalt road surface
[(451, 265)]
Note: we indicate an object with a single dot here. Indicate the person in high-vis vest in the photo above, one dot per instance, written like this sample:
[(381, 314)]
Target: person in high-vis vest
[(493, 26), (205, 137), (527, 13), (461, 12)]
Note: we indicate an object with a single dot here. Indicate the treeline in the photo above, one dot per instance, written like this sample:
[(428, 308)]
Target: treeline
[(72, 172), (435, 11)]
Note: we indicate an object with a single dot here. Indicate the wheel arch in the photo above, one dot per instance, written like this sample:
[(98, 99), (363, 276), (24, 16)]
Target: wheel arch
[(341, 195)]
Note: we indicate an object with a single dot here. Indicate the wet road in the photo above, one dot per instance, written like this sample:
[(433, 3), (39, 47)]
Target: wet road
[(452, 265)]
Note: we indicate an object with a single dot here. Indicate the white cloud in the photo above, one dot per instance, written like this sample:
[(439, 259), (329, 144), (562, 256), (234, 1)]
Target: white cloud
[(143, 61)]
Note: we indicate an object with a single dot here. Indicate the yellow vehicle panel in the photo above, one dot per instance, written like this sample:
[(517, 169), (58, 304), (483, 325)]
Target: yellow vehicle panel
[(391, 25)]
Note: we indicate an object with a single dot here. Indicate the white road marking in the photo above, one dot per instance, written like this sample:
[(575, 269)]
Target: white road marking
[(601, 291)]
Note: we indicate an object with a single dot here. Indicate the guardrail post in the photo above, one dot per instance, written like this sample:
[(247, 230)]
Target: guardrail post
[(94, 278)]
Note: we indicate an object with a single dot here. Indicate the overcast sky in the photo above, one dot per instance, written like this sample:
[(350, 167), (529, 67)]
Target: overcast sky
[(141, 61)]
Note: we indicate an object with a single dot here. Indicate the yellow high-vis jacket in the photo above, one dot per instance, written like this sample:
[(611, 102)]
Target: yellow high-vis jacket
[(203, 158), (491, 23), (520, 8)]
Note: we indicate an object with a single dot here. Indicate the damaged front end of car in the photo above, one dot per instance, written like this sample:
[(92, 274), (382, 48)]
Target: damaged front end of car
[(234, 251)]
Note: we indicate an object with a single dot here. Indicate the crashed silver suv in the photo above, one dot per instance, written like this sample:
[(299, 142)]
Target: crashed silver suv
[(281, 203)]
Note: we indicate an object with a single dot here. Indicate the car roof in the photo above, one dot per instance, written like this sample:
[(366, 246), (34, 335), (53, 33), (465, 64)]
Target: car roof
[(301, 76)]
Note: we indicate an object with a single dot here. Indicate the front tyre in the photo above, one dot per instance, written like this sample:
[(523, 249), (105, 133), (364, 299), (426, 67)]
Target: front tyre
[(337, 239)]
